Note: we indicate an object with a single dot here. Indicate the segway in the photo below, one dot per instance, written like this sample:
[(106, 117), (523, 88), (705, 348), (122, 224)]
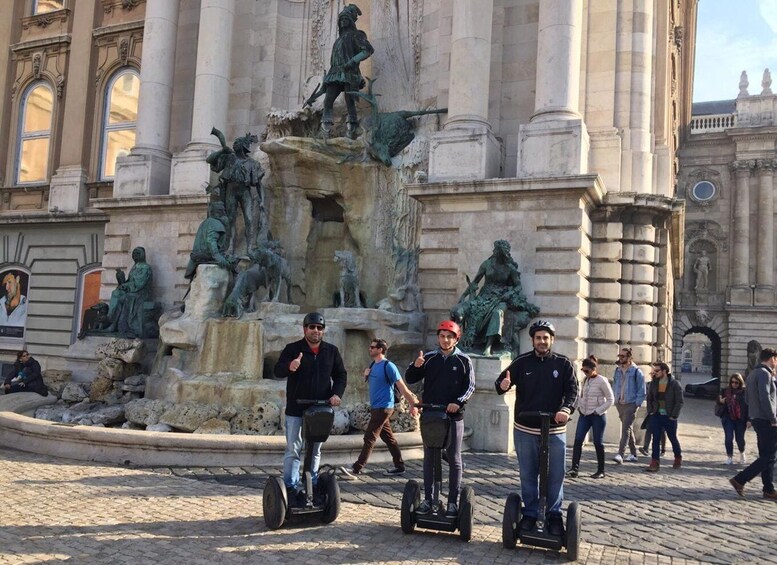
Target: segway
[(324, 499), (540, 536), (435, 427)]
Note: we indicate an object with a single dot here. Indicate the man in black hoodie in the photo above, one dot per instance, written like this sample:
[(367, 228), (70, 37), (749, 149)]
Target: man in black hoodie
[(544, 381), (313, 370)]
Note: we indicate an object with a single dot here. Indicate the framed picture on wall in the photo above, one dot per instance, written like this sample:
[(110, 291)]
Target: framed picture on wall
[(13, 305)]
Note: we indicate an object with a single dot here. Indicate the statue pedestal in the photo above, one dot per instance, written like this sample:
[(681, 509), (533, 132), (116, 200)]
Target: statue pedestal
[(489, 414)]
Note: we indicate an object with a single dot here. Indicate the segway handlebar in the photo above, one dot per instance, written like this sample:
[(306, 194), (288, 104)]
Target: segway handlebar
[(536, 414), (431, 406), (311, 402)]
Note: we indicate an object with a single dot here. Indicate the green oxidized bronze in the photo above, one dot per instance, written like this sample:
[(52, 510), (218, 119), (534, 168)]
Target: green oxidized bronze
[(492, 317)]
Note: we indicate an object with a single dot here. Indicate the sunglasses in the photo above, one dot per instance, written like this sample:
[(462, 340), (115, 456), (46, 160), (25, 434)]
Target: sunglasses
[(588, 370), (315, 327), (374, 347)]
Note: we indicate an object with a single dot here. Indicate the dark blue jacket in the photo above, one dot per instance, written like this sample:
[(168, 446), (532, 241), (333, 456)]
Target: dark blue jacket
[(447, 380)]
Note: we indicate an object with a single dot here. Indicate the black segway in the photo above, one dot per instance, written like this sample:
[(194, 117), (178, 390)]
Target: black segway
[(325, 498), (540, 536), (435, 426)]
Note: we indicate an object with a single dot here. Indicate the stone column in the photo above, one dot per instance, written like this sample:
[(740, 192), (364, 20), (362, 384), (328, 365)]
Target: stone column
[(190, 173), (467, 148), (67, 191), (147, 169), (555, 141), (740, 292), (764, 275)]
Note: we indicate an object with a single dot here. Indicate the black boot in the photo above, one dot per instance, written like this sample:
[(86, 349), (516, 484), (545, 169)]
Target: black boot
[(577, 451), (599, 462)]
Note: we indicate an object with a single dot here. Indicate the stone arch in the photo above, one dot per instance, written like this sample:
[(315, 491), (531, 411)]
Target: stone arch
[(715, 343)]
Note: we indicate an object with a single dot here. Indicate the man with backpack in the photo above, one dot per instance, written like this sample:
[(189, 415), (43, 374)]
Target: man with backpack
[(385, 383)]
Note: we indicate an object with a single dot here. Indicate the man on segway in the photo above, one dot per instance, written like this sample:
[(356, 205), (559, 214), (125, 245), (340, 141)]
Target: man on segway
[(449, 379), (313, 370), (545, 381)]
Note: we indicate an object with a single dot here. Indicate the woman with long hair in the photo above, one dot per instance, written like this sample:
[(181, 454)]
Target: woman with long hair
[(732, 409), (594, 400)]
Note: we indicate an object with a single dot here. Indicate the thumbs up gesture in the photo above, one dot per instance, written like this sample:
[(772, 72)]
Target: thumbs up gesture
[(419, 361), (506, 382), (295, 363)]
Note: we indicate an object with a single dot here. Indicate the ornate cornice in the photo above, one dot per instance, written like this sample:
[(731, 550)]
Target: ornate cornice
[(41, 43), (110, 5), (742, 166), (766, 165), (45, 20)]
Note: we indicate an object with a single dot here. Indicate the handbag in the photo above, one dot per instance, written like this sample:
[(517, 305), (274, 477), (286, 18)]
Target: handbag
[(720, 409), (645, 422)]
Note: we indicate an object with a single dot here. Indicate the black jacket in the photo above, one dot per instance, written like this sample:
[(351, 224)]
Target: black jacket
[(542, 384), (33, 381), (446, 379), (318, 377)]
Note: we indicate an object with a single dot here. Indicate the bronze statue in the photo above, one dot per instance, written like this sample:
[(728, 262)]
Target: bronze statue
[(270, 256), (349, 295), (239, 173), (493, 316), (210, 243), (131, 309), (351, 48), (247, 283)]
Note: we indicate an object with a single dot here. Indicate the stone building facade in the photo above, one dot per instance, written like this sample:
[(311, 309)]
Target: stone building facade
[(564, 121), (727, 172)]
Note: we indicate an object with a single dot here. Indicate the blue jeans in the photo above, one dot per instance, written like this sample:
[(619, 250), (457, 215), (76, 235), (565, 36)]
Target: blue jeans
[(733, 428), (527, 447), (594, 422), (294, 445), (659, 423)]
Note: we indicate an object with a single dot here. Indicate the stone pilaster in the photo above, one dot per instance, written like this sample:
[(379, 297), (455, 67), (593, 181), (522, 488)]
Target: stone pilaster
[(555, 141), (146, 170), (740, 292), (764, 274), (491, 415), (467, 148), (190, 174)]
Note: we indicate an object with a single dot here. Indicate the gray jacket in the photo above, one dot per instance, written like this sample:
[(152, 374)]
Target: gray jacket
[(761, 394), (673, 397)]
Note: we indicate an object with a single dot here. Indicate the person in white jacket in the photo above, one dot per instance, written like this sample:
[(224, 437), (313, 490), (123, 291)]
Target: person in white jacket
[(594, 400)]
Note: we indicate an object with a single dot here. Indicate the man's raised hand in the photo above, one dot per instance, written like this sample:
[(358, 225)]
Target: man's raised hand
[(506, 382), (419, 361), (295, 363)]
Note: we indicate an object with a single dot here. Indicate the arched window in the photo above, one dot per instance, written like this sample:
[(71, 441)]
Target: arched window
[(46, 6), (119, 119), (88, 296), (35, 134)]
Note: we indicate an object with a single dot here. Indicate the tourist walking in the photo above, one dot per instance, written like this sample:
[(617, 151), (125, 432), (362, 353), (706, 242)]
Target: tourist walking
[(732, 409), (664, 402), (592, 404), (761, 397), (629, 388), (382, 376)]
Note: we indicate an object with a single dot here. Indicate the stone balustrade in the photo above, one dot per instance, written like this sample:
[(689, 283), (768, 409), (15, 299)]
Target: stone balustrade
[(712, 123)]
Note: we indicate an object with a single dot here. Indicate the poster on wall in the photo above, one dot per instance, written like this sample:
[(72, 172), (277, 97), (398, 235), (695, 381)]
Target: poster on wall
[(13, 305)]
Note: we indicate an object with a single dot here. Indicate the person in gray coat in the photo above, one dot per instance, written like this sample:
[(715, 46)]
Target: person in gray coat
[(761, 397)]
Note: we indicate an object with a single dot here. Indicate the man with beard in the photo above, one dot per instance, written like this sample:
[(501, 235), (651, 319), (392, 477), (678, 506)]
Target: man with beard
[(13, 306)]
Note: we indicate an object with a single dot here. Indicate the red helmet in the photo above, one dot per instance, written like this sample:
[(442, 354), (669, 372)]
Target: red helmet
[(450, 326)]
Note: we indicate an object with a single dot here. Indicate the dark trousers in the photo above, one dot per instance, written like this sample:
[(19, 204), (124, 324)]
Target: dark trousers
[(732, 429), (455, 465), (379, 426), (767, 447), (662, 423)]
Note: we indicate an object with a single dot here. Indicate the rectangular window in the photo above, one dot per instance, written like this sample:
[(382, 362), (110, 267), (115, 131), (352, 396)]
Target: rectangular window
[(46, 6)]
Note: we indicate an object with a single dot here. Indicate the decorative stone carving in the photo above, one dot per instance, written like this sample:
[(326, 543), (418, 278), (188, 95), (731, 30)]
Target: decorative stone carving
[(36, 63), (766, 83), (702, 317), (753, 352), (701, 267), (349, 295), (743, 84)]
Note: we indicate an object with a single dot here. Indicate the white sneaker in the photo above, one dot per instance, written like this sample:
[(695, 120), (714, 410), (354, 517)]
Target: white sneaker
[(742, 459), (618, 459), (631, 459), (729, 460)]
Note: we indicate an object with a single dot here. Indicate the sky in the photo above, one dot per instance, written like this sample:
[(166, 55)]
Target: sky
[(734, 36)]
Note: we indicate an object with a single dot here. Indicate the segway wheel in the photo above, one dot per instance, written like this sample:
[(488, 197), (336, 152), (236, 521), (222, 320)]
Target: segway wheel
[(275, 502), (331, 489), (573, 531), (411, 498), (510, 519), (466, 513)]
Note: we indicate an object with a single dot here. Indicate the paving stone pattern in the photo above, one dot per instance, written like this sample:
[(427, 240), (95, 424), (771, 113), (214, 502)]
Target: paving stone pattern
[(59, 511)]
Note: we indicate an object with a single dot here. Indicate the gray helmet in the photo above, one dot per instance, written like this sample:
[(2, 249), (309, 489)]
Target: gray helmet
[(314, 318), (542, 325)]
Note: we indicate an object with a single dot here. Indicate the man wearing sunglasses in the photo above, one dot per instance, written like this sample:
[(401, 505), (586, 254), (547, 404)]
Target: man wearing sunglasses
[(313, 370)]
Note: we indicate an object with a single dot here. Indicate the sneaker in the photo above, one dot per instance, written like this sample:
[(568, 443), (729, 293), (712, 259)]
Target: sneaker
[(453, 510), (644, 451), (742, 459), (572, 473), (598, 475), (618, 459), (729, 460), (527, 524), (631, 459), (555, 525), (349, 474), (395, 471), (424, 508)]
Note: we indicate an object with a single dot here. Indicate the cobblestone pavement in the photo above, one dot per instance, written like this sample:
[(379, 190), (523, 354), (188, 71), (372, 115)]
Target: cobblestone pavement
[(57, 511)]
